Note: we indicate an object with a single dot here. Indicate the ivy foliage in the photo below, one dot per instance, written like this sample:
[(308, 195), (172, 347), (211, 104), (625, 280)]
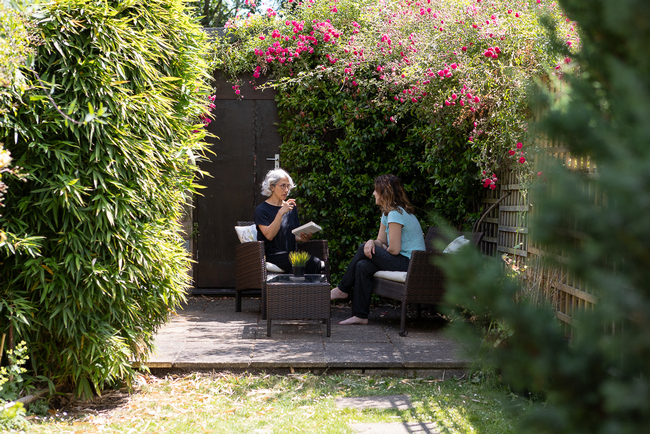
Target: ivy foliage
[(106, 132), (594, 229), (434, 92)]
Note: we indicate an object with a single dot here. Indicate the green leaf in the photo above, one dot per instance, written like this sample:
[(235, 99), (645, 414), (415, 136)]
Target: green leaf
[(72, 106)]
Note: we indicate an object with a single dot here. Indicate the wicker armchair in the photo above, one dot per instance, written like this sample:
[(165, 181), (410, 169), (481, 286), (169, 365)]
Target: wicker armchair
[(425, 282), (250, 268)]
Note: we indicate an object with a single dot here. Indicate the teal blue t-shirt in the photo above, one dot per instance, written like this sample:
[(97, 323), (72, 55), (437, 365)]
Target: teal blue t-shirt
[(412, 236)]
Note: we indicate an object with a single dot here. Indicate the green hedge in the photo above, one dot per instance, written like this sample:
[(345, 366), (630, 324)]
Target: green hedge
[(335, 145), (106, 134)]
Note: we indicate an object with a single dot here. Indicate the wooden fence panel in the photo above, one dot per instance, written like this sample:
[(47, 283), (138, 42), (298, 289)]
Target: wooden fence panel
[(490, 225), (506, 229)]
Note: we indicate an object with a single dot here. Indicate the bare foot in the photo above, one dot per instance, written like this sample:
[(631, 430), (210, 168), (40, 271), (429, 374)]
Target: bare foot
[(354, 320), (336, 293)]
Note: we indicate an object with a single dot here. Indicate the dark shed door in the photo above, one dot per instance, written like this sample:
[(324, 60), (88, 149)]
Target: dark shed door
[(248, 136)]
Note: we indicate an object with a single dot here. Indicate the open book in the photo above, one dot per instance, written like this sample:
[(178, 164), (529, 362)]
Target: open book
[(307, 228)]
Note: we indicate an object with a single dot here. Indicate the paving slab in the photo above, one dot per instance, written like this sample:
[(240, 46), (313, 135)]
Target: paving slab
[(418, 329), (362, 354), (371, 333), (207, 333), (396, 428), (236, 354), (293, 330), (384, 402), (165, 353), (293, 354), (222, 331)]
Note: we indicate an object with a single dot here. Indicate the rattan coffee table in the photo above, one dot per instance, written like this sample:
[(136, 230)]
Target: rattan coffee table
[(290, 297)]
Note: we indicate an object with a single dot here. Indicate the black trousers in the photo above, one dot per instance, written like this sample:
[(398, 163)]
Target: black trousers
[(357, 280)]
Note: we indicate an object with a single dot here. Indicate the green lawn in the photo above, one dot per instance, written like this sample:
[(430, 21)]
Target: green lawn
[(296, 403)]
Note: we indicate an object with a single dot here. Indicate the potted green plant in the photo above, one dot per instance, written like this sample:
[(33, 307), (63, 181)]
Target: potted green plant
[(298, 262)]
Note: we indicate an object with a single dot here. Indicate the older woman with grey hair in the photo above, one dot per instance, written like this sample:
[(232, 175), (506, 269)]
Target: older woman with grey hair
[(276, 217)]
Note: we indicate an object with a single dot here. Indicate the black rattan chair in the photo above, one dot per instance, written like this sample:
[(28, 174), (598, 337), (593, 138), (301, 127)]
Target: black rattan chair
[(425, 282)]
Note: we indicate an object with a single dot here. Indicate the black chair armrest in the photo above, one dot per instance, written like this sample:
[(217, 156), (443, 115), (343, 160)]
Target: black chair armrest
[(250, 268), (319, 249), (316, 248)]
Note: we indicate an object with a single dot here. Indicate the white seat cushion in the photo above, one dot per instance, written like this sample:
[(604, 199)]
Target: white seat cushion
[(272, 268), (395, 276), (270, 276)]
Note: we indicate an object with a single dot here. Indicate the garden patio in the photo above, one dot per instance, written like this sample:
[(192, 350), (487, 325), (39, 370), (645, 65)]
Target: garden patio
[(207, 334)]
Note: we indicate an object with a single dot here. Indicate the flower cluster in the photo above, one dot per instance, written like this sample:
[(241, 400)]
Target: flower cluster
[(205, 116), (492, 52), (286, 48), (521, 159), (490, 182), (5, 161), (5, 157)]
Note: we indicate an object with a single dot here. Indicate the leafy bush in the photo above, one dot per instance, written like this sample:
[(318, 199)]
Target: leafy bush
[(599, 382), (11, 376), (434, 92), (12, 414), (109, 133), (13, 417)]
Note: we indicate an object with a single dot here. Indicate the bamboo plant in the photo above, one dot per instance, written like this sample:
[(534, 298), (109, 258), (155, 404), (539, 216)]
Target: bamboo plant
[(109, 132)]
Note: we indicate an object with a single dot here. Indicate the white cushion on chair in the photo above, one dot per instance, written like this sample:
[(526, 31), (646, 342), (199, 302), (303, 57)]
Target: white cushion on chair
[(272, 268), (456, 245), (395, 276), (246, 234)]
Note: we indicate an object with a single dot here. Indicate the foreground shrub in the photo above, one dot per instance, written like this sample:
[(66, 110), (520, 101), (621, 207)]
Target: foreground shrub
[(599, 382), (106, 134)]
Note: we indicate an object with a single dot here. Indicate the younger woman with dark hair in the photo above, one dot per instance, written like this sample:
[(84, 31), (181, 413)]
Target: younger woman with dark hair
[(400, 233)]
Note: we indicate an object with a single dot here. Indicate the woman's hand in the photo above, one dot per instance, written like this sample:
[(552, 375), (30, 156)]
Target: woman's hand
[(305, 237), (369, 248), (287, 206)]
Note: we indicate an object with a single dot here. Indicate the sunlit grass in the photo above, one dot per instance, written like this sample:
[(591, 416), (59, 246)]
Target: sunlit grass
[(297, 403)]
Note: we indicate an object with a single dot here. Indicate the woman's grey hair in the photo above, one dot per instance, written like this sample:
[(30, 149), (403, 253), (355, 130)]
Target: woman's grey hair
[(272, 178)]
